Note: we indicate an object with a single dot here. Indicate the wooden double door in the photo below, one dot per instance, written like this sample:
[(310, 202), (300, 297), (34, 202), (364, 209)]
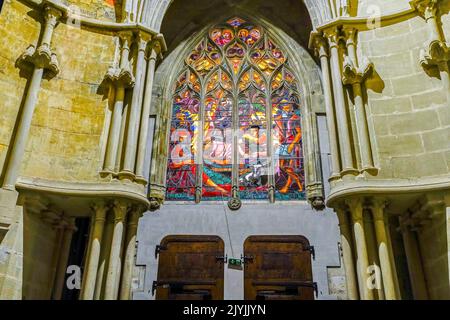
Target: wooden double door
[(275, 268)]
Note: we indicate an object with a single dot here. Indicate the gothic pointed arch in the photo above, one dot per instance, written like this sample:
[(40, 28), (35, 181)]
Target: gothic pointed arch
[(241, 130)]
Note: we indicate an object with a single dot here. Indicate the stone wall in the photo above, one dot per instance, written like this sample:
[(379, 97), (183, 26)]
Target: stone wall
[(12, 85), (65, 140), (410, 117), (38, 252)]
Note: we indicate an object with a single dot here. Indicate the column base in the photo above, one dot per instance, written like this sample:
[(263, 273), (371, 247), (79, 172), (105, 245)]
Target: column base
[(141, 180), (370, 170), (126, 175), (334, 177), (107, 174), (349, 172)]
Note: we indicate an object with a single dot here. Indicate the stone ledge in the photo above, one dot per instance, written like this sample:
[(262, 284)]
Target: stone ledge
[(114, 189), (388, 188)]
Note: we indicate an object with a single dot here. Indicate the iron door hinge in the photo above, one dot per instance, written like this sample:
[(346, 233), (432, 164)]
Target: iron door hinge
[(312, 251), (157, 284), (158, 249), (222, 259), (246, 259)]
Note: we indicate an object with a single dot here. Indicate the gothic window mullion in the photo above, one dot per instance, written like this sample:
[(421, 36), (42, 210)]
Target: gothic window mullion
[(271, 160), (199, 153)]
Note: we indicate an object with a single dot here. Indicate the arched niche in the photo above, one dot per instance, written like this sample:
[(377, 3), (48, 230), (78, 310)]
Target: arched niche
[(305, 70)]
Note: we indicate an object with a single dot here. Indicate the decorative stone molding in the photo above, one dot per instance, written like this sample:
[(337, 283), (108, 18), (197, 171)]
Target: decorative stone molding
[(234, 204), (435, 58), (315, 196), (353, 74), (155, 203), (42, 58), (116, 76)]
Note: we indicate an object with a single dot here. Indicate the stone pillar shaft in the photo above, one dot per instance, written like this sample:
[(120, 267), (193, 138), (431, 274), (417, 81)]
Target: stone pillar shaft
[(94, 252), (347, 255), (362, 260), (331, 122), (114, 131), (361, 127), (145, 117), (62, 262), (51, 19), (383, 250), (130, 252), (360, 112), (23, 128), (341, 112), (135, 112), (113, 276), (414, 260)]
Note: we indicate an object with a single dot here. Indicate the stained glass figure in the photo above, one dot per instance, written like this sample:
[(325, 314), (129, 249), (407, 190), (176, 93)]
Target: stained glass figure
[(217, 145)]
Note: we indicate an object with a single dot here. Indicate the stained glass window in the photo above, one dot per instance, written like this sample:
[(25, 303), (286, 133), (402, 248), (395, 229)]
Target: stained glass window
[(236, 120)]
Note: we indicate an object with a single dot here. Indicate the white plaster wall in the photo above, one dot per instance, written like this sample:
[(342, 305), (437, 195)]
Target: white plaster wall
[(293, 218)]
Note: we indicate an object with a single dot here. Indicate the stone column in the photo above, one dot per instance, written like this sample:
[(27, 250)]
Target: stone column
[(377, 209), (347, 254), (321, 47), (112, 277), (355, 77), (128, 169), (42, 60), (391, 255), (59, 226), (104, 256), (145, 116), (120, 79), (95, 243), (362, 261), (341, 108), (414, 260), (63, 259), (130, 253)]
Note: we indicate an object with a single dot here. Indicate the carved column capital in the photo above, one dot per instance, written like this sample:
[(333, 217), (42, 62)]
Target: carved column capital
[(342, 213), (355, 206), (377, 206), (100, 209), (120, 209), (126, 38), (349, 34), (52, 15), (120, 77), (42, 58), (426, 8), (155, 203), (352, 74), (334, 35), (142, 39), (319, 44), (434, 58)]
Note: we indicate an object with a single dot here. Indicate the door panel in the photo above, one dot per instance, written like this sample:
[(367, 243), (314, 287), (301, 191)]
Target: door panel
[(278, 268), (190, 268)]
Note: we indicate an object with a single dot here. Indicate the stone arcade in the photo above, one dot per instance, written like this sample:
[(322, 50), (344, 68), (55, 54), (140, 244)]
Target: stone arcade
[(145, 143)]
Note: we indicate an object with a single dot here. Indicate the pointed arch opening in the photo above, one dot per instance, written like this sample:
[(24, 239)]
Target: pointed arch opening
[(236, 120)]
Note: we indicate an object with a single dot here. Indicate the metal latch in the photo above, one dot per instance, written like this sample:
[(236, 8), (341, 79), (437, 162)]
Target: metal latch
[(158, 249), (312, 251), (222, 259), (246, 259)]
